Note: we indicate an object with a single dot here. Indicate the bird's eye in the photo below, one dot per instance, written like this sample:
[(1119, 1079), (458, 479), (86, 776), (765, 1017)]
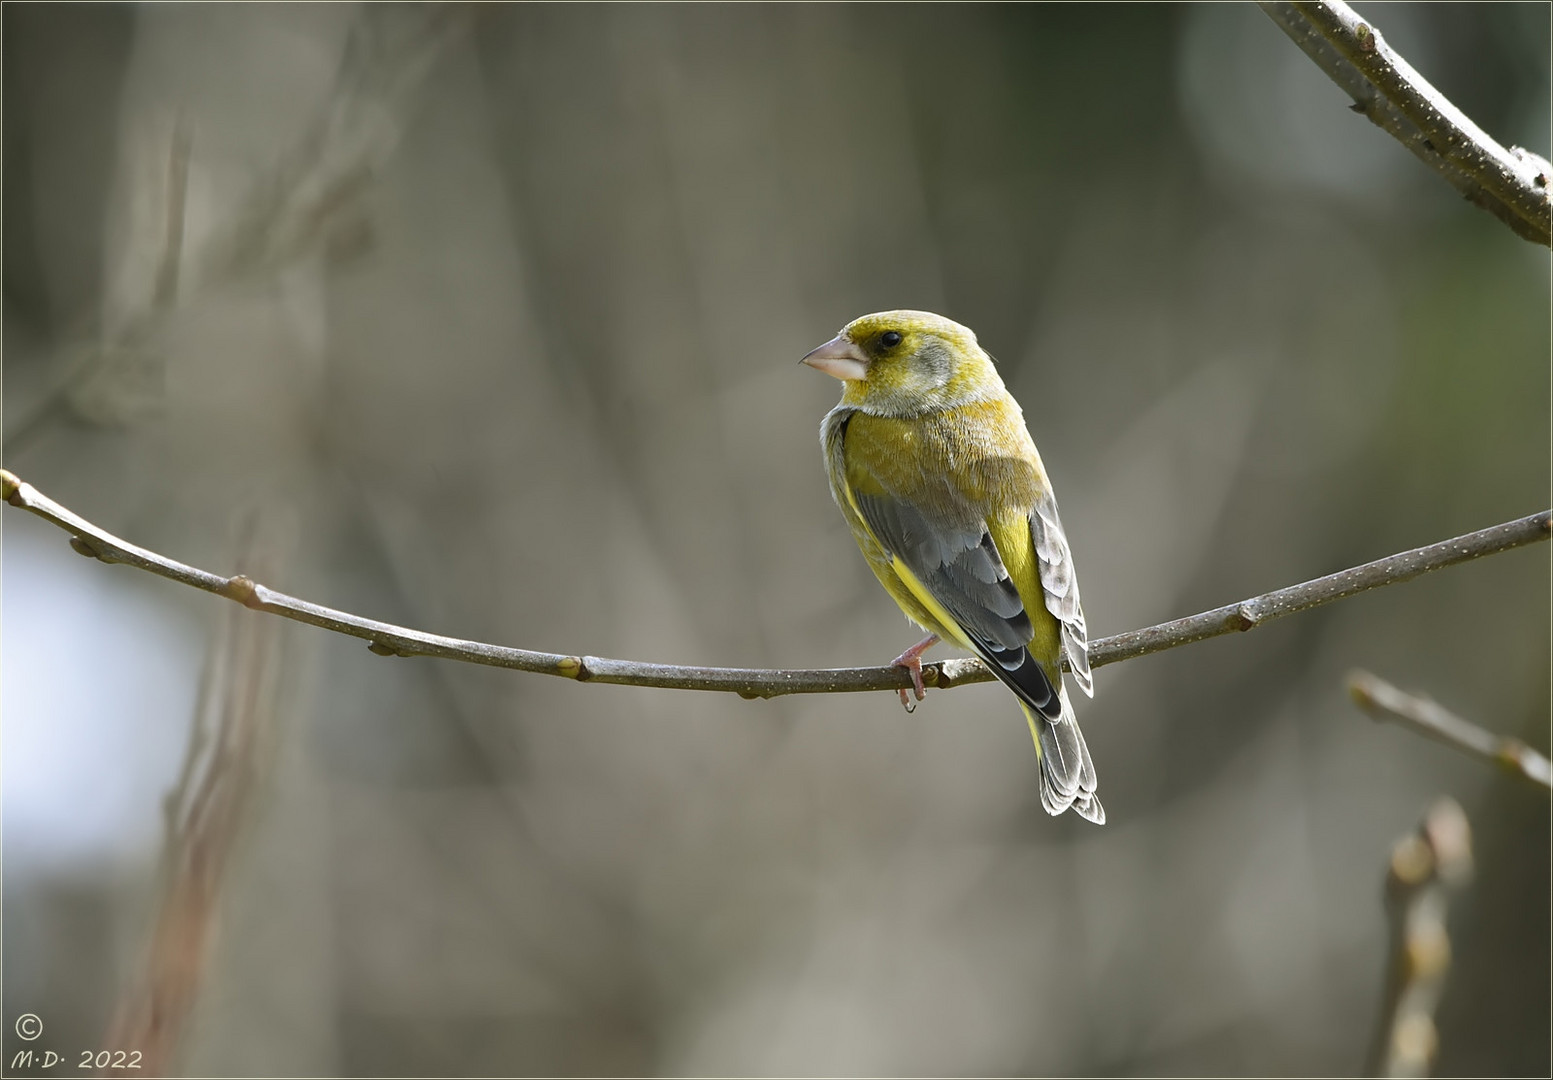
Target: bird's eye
[(890, 338)]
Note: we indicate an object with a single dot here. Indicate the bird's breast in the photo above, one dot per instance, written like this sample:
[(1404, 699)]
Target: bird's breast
[(978, 453)]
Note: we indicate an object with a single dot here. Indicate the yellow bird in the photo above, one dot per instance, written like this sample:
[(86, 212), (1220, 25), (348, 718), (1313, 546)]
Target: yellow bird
[(934, 470)]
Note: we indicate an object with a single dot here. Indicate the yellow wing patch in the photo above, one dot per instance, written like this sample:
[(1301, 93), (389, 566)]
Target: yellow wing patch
[(1011, 534)]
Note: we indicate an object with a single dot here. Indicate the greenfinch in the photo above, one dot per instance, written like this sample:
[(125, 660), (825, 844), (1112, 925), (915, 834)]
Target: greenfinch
[(936, 474)]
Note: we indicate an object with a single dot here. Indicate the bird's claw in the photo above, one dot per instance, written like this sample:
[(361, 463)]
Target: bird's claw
[(911, 660)]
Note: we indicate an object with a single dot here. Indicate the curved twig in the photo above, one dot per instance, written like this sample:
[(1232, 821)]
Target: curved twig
[(389, 640), (1513, 185), (1383, 701)]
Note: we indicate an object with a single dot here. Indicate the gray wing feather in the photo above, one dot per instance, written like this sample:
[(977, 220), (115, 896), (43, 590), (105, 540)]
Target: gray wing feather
[(959, 565), (1061, 587)]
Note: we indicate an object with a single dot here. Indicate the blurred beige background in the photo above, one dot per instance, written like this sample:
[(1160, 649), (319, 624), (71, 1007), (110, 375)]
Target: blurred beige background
[(492, 315)]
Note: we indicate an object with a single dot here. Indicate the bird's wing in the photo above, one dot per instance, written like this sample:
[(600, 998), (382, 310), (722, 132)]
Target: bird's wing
[(948, 559), (1060, 584)]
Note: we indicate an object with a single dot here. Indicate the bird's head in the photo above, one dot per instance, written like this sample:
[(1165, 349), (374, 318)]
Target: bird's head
[(905, 363)]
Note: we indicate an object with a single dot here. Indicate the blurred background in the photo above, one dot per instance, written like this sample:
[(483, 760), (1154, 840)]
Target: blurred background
[(486, 321)]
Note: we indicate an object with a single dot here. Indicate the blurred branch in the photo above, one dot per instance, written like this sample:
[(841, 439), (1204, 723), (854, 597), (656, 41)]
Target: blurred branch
[(86, 363), (166, 292), (314, 202), (1426, 867), (1512, 184), (1383, 701), (223, 763), (315, 199), (387, 639)]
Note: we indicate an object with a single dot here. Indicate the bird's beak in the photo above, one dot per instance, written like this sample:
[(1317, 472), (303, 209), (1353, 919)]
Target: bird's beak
[(841, 358)]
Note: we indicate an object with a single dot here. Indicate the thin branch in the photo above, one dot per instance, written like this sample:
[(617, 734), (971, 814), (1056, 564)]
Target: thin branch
[(1383, 701), (1426, 867), (1513, 185), (387, 639)]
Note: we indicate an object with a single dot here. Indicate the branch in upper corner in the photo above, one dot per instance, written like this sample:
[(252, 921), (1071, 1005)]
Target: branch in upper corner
[(1426, 867), (1514, 185), (311, 202), (1383, 701), (387, 639)]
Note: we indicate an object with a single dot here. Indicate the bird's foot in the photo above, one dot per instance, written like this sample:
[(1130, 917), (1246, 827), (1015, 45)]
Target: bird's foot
[(911, 660)]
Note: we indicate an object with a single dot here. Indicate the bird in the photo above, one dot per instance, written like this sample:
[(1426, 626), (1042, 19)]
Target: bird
[(933, 468)]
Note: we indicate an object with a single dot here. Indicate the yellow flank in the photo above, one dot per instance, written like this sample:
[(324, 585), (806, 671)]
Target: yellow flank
[(943, 623), (883, 566)]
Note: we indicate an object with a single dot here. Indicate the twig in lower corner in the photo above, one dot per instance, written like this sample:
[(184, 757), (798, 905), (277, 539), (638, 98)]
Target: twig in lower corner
[(1383, 701), (1426, 868)]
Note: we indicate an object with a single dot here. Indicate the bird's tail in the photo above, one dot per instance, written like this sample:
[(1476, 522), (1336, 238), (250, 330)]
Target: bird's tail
[(1067, 773)]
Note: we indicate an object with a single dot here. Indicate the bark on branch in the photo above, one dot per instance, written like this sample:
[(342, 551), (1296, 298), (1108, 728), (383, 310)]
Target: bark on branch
[(1513, 185), (387, 639)]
